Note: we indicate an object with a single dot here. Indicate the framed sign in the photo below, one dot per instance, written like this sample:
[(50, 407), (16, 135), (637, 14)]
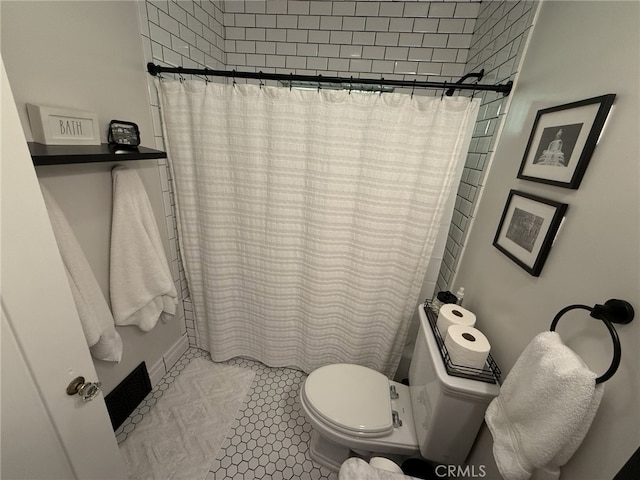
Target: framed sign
[(528, 229), (562, 141), (62, 126)]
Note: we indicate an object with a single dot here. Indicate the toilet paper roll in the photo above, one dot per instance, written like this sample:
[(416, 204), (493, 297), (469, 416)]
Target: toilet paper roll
[(452, 314), (467, 346), (385, 464)]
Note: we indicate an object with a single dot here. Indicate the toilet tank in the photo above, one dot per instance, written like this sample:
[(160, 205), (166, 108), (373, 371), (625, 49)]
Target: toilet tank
[(447, 411)]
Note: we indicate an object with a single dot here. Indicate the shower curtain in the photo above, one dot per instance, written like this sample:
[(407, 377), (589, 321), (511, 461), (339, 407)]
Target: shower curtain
[(307, 218)]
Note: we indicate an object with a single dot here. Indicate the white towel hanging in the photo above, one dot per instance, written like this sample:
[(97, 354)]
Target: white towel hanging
[(141, 283)]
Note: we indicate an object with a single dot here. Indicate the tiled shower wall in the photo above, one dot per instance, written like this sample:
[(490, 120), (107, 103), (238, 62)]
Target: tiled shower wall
[(434, 41), (497, 46)]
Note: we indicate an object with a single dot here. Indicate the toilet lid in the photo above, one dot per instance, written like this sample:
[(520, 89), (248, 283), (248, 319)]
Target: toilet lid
[(353, 397)]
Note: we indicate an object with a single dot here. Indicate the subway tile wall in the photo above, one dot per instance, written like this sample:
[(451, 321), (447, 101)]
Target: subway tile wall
[(425, 40), (497, 46)]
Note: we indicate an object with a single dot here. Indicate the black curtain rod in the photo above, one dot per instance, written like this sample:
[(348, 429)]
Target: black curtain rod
[(505, 88)]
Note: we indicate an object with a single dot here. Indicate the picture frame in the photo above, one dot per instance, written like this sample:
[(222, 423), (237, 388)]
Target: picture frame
[(63, 126), (528, 228), (562, 141)]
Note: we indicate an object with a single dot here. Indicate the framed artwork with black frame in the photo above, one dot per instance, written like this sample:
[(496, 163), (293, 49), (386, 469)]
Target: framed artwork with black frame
[(562, 141), (528, 228)]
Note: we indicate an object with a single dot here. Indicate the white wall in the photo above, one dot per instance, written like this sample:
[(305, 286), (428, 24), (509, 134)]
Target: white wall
[(88, 56), (578, 50)]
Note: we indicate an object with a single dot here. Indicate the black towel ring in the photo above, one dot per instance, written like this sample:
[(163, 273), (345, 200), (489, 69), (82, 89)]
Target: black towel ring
[(613, 311)]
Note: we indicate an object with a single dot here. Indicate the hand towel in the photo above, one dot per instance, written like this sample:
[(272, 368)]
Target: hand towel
[(544, 410), (357, 469), (141, 283), (96, 319)]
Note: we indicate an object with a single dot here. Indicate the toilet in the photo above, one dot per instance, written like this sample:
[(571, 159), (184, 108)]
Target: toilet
[(355, 410)]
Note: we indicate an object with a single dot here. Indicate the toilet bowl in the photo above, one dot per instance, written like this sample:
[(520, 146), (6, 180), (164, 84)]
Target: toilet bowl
[(356, 410)]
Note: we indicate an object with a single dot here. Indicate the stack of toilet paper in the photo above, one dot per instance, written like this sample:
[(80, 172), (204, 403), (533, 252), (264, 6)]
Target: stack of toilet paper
[(467, 346)]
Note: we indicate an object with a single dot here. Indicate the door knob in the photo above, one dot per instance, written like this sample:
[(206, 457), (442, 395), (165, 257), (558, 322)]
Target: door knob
[(87, 390)]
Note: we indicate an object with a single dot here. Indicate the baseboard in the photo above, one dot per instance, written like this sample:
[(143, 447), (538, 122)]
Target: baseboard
[(175, 352), (156, 372)]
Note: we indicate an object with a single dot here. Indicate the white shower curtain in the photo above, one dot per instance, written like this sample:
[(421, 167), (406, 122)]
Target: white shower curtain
[(307, 218)]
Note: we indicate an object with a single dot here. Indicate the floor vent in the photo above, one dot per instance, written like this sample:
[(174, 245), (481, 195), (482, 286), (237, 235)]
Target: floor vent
[(123, 399)]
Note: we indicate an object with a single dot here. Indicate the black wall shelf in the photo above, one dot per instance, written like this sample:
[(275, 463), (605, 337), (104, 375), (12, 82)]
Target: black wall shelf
[(60, 154)]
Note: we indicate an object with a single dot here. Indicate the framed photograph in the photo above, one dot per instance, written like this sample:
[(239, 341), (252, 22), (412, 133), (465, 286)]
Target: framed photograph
[(528, 228), (562, 141), (63, 126)]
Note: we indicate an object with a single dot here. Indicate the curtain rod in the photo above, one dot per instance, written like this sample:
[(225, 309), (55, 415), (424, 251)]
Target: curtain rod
[(505, 88)]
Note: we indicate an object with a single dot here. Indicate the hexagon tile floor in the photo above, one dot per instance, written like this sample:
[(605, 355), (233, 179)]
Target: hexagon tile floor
[(269, 439)]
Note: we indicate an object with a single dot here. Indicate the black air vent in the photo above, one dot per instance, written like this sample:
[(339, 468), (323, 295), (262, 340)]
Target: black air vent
[(123, 399)]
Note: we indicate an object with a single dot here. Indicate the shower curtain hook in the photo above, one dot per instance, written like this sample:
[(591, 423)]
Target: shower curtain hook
[(206, 77), (261, 84), (473, 93), (319, 80), (413, 88), (290, 80), (350, 84), (181, 78), (444, 89), (234, 78), (381, 82)]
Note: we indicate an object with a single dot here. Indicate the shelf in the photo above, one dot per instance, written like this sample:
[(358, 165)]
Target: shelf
[(61, 154)]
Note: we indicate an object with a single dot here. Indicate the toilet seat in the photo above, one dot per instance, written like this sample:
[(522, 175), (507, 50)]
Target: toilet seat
[(352, 399)]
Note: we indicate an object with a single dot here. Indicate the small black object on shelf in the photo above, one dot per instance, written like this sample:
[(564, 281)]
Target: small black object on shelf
[(613, 311), (123, 134)]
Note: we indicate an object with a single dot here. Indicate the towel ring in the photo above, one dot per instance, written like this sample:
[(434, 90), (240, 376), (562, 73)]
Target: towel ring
[(613, 311)]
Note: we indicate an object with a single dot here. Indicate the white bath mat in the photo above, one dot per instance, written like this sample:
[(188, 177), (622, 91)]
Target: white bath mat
[(181, 436)]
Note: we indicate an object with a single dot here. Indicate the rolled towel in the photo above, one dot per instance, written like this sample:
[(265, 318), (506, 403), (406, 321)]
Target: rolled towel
[(544, 410), (96, 319), (141, 283)]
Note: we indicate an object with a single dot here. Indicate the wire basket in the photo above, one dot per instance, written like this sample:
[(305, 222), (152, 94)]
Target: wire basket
[(489, 374)]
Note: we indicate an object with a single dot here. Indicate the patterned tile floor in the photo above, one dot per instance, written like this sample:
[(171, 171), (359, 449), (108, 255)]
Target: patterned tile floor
[(269, 439)]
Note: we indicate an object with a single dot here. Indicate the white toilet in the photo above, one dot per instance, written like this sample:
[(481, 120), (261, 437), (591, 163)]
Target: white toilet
[(354, 408)]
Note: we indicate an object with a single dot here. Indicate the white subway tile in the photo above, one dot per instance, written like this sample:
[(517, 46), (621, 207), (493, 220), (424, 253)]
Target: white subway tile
[(276, 35), (429, 68), (287, 21), (268, 48), (457, 40), (178, 13), (234, 6), (152, 14), (351, 51), (339, 64), (390, 39), (452, 69), (444, 55), (416, 9), (401, 25), (156, 51), (319, 36), (229, 19), (406, 68), (442, 10), (374, 24), (245, 20), (367, 9), (236, 59), (309, 22), (467, 10), (295, 7), (364, 38), (243, 46), (255, 34), (373, 52), (353, 23), (317, 63), (194, 24), (434, 40), (329, 50), (196, 55), (275, 61), (396, 53), (297, 36), (160, 35), (296, 62), (235, 33), (307, 49), (383, 66), (410, 39), (266, 21), (330, 23), (255, 6), (276, 6), (451, 25), (421, 54), (161, 4), (286, 49), (426, 25), (341, 38), (360, 65), (391, 9), (344, 8), (320, 8)]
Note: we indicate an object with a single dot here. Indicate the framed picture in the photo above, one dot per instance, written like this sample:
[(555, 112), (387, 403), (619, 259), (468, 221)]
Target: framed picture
[(562, 141), (528, 228)]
